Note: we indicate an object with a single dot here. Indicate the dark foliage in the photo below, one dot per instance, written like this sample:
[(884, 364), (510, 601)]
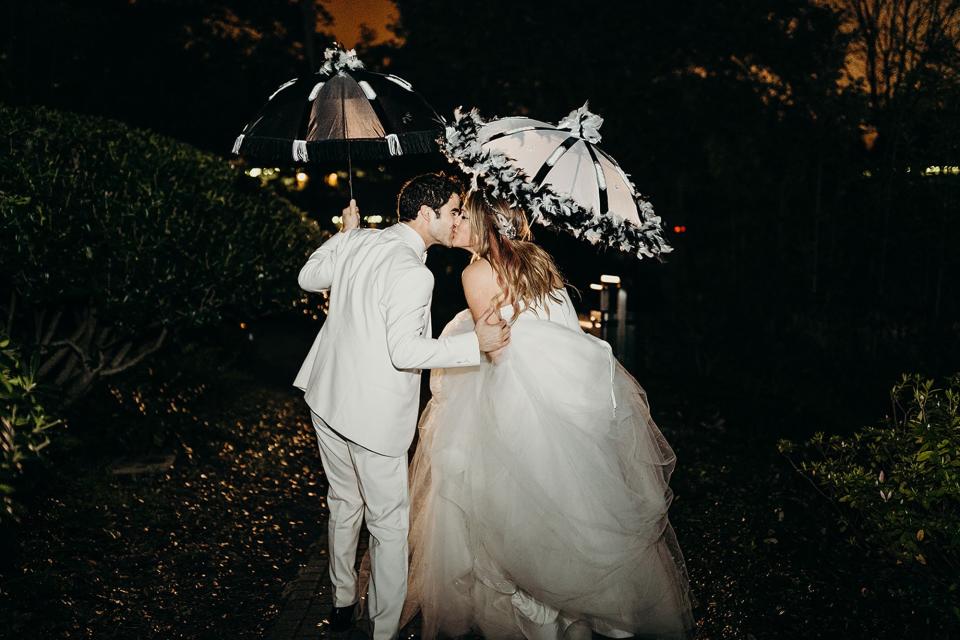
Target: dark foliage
[(119, 237), (896, 488), (23, 424)]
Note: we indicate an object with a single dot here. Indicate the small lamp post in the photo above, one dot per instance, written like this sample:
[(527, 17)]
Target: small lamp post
[(612, 295)]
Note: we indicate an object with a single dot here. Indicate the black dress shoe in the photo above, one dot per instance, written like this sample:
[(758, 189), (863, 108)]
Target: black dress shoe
[(341, 618)]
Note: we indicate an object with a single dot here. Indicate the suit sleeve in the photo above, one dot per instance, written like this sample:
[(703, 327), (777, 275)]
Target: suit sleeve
[(405, 305), (317, 274)]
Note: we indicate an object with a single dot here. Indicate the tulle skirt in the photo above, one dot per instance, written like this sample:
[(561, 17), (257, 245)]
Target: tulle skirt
[(539, 497)]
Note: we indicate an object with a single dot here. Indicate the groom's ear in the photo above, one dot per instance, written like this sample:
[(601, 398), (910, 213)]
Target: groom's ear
[(424, 212)]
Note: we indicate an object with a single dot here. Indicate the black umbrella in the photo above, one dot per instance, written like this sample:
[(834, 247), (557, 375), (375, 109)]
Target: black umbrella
[(340, 113)]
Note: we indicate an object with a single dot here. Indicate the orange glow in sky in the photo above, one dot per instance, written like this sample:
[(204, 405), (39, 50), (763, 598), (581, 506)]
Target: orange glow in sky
[(348, 15)]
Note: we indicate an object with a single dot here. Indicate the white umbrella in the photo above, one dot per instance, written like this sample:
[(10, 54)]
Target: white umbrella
[(559, 175)]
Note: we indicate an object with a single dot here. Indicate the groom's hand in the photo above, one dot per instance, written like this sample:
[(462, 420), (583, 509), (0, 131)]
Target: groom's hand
[(493, 332), (350, 218)]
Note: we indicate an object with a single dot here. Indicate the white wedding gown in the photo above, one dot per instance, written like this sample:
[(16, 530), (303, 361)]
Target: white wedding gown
[(539, 494)]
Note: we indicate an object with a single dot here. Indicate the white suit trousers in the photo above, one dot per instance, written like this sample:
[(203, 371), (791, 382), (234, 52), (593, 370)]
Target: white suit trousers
[(366, 485)]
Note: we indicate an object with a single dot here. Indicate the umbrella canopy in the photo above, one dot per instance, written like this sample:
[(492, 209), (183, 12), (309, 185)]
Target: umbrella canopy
[(340, 112), (559, 176)]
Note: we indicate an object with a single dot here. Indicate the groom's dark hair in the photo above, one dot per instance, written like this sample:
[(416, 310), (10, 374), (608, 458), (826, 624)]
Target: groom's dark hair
[(431, 189)]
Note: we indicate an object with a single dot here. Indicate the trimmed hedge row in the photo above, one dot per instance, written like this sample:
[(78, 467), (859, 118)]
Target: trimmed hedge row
[(115, 237)]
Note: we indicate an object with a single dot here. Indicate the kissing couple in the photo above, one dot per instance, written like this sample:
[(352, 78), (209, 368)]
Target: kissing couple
[(536, 502)]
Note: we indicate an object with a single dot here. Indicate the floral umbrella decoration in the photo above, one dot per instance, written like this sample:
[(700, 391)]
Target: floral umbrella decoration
[(559, 176)]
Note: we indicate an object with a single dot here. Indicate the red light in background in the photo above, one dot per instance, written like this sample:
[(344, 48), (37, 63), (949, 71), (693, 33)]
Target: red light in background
[(680, 228)]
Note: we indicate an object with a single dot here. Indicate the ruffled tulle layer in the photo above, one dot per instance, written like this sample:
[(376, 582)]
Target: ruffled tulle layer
[(540, 490)]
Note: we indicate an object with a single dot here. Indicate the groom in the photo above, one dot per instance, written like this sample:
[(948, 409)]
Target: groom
[(361, 381)]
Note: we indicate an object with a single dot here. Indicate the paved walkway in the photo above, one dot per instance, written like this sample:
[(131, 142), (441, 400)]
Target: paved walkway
[(307, 600)]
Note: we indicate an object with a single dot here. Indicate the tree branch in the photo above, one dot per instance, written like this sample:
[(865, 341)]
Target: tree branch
[(136, 360), (54, 323)]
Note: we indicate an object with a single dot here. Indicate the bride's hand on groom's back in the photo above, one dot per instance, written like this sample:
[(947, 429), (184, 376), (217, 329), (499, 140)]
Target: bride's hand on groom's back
[(493, 332)]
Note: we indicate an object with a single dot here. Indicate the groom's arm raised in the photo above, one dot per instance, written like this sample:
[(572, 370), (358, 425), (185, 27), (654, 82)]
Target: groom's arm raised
[(317, 274), (405, 304)]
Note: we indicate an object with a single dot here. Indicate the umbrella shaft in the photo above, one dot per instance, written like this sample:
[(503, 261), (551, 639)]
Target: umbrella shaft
[(343, 117)]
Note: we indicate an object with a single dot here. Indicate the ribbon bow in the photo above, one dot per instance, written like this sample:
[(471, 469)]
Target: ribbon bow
[(337, 60), (583, 124)]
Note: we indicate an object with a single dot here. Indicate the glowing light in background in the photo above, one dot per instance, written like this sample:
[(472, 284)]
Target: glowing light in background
[(941, 171)]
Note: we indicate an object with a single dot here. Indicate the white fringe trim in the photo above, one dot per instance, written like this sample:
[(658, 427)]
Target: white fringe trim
[(400, 81), (368, 90), (315, 92), (393, 142), (552, 160), (300, 151), (601, 179), (237, 143), (282, 87)]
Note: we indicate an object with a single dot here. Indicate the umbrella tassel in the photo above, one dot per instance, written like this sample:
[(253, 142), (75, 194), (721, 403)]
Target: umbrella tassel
[(237, 143), (393, 143), (315, 92), (300, 151), (282, 87)]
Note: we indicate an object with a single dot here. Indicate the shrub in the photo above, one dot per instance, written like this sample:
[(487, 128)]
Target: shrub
[(23, 424), (899, 483), (115, 237)]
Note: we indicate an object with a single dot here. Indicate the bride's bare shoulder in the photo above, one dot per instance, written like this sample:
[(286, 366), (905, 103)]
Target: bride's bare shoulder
[(479, 286), (478, 273)]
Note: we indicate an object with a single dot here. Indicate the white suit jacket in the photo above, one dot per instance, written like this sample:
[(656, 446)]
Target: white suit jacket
[(362, 375)]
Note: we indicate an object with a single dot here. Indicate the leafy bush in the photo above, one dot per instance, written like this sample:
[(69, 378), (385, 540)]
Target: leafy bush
[(114, 237), (900, 484), (23, 423)]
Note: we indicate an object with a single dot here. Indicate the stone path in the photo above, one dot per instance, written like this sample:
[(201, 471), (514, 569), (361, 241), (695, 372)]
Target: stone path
[(307, 600)]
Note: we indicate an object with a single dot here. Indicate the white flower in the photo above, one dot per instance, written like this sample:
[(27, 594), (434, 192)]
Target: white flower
[(583, 124), (505, 227), (338, 60), (592, 236)]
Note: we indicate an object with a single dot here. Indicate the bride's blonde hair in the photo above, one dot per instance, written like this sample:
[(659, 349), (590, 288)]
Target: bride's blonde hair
[(526, 273)]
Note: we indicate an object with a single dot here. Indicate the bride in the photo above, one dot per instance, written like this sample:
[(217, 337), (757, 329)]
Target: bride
[(540, 483)]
